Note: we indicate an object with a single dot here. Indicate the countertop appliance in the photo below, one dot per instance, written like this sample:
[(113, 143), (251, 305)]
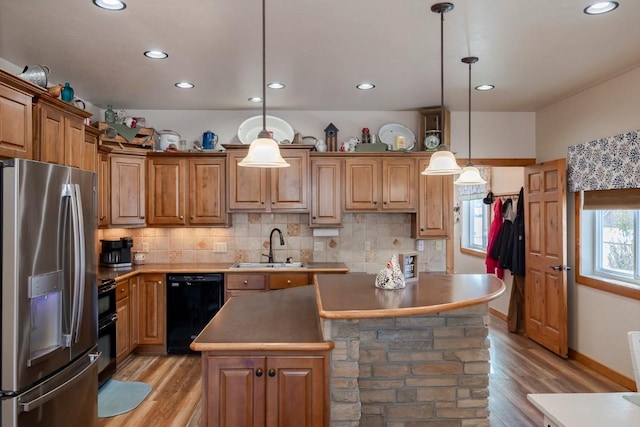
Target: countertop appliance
[(116, 253), (49, 321), (107, 317), (192, 301)]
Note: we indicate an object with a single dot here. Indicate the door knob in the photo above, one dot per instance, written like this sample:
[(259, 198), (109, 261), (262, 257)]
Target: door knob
[(258, 372), (272, 372)]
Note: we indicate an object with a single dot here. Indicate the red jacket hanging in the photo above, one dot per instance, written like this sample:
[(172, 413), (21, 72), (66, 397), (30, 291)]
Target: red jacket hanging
[(493, 265)]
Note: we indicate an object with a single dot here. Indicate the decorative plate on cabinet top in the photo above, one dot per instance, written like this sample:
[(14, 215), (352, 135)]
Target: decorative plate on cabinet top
[(250, 128), (388, 133)]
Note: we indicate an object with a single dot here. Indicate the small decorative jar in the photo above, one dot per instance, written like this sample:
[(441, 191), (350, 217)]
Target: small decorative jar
[(109, 115), (67, 93)]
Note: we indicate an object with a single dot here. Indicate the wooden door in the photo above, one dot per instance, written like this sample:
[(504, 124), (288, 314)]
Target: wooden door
[(362, 186), (134, 316), (152, 310), (289, 189), (295, 391), (545, 308), (248, 187), (73, 141), (399, 178), (326, 193), (234, 388), (104, 190), (16, 126), (51, 136), (127, 190), (207, 194), (167, 191)]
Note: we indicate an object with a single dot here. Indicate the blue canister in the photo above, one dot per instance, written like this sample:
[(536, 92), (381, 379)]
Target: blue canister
[(209, 140)]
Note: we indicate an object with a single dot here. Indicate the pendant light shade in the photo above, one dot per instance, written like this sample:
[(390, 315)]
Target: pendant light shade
[(264, 151), (470, 174), (442, 162)]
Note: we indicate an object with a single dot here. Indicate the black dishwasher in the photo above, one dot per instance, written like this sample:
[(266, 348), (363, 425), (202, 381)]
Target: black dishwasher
[(192, 301)]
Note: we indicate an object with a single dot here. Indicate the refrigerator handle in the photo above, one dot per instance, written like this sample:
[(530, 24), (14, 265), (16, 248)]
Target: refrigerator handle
[(36, 403), (82, 260), (71, 191)]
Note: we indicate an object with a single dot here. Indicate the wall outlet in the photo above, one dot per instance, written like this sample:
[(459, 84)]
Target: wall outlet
[(318, 246), (420, 245), (367, 245), (438, 245), (145, 246), (220, 247)]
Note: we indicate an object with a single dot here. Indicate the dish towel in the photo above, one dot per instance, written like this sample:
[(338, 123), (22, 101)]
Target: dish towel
[(125, 131)]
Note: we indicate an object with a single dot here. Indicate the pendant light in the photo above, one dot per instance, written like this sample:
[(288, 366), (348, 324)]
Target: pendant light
[(442, 162), (470, 174), (264, 151)]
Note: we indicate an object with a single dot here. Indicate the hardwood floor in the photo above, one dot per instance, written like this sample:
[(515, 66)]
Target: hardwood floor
[(518, 366)]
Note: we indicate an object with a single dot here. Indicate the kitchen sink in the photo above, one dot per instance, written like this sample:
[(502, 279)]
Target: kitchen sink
[(259, 265)]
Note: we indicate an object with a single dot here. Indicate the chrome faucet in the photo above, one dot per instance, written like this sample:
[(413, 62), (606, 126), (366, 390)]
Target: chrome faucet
[(271, 259)]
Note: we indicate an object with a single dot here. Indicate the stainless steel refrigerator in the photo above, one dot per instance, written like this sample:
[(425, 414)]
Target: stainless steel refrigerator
[(49, 323)]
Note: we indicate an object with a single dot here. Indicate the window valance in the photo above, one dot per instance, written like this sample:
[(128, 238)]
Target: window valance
[(605, 164)]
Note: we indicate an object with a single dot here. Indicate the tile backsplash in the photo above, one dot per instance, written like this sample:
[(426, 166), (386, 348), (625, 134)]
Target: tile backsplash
[(248, 238)]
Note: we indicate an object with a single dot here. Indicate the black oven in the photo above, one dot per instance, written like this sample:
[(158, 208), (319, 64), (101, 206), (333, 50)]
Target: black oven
[(107, 317)]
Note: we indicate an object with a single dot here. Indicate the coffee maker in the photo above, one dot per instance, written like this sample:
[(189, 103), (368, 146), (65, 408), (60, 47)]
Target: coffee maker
[(116, 253)]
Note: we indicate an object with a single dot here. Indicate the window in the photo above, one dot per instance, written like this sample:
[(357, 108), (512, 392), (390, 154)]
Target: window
[(616, 243), (476, 217)]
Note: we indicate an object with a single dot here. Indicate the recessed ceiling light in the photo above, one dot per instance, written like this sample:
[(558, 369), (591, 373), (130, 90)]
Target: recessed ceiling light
[(156, 54), (255, 99), (601, 7), (276, 85), (366, 86), (110, 4), (485, 87), (184, 85)]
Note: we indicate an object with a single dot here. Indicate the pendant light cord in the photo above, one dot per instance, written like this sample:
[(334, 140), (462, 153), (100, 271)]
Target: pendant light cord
[(442, 77), (469, 164), (264, 133)]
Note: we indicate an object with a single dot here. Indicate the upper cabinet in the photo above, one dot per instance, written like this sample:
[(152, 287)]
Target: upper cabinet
[(269, 190), (59, 132), (15, 119), (187, 190), (433, 219), (89, 160), (127, 190), (374, 184), (326, 192)]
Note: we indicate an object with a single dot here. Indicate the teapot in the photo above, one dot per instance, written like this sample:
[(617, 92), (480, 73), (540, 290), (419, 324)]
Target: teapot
[(209, 140), (321, 146), (36, 74)]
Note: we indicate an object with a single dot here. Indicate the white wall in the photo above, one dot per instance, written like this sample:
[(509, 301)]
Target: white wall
[(598, 321)]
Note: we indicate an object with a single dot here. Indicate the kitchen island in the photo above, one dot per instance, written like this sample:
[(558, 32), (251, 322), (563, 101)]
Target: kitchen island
[(344, 353)]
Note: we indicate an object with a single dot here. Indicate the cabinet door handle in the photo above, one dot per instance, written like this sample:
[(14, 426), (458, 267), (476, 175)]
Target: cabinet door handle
[(181, 217), (384, 203), (246, 282), (142, 217), (121, 289), (272, 372), (259, 372), (375, 203), (313, 218), (288, 282), (192, 217), (422, 229)]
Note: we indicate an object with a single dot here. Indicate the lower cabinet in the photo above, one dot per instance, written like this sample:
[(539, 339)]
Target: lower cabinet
[(246, 283), (265, 390), (123, 310), (152, 306)]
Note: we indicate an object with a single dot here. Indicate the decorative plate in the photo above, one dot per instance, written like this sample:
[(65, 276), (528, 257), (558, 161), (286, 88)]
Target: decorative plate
[(387, 134), (250, 128)]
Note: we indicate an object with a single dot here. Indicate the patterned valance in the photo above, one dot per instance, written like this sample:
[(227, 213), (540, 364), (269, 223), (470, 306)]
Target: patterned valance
[(605, 164), (470, 192)]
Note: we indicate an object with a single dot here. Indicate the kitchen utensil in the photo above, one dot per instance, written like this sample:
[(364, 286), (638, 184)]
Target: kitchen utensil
[(388, 133), (167, 137), (209, 140), (249, 129), (321, 146), (36, 74)]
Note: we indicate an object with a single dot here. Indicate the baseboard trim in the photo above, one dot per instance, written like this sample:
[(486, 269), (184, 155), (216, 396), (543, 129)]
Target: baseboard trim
[(500, 315), (602, 369)]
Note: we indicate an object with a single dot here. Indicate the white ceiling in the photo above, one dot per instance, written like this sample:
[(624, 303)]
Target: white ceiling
[(535, 52)]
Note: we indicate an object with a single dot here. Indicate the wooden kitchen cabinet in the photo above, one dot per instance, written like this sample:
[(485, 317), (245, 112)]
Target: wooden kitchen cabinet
[(269, 190), (152, 313), (104, 190), (289, 280), (127, 190), (123, 326), (236, 284), (187, 191), (433, 219), (90, 149), (16, 125), (59, 133), (134, 330), (373, 184), (265, 390), (326, 192)]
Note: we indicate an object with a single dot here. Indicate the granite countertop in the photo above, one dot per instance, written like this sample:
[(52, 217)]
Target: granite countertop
[(354, 295), (221, 267)]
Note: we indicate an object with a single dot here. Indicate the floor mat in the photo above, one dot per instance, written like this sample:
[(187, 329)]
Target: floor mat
[(117, 397)]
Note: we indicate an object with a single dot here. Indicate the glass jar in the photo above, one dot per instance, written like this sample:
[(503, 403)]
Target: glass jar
[(109, 115)]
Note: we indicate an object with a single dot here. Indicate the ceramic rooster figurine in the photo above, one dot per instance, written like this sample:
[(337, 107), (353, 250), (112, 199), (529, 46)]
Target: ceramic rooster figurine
[(391, 277)]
